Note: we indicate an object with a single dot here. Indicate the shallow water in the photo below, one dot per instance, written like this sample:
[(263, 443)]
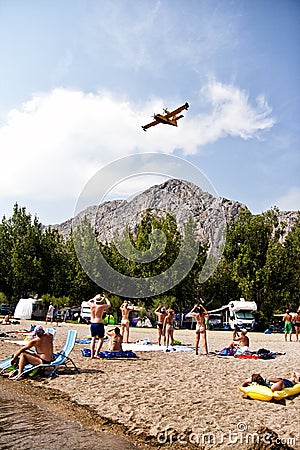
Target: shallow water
[(24, 425)]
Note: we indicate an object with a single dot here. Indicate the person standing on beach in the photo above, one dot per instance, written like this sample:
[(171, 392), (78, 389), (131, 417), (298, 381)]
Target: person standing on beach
[(200, 314), (50, 313), (161, 313), (126, 308), (55, 315), (66, 315), (169, 327), (287, 319), (297, 324), (96, 326)]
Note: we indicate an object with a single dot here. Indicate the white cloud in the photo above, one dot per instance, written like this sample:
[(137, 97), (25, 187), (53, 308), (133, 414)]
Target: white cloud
[(233, 114), (290, 201), (56, 141)]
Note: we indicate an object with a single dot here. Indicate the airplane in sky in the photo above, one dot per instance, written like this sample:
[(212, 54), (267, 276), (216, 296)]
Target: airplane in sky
[(169, 118)]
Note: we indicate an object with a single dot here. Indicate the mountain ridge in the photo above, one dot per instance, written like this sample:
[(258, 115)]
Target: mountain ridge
[(178, 197)]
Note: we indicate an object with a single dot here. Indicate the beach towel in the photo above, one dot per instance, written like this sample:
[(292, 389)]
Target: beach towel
[(145, 345), (110, 355), (247, 356)]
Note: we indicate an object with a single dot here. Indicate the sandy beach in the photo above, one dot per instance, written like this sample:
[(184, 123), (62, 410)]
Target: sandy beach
[(174, 398)]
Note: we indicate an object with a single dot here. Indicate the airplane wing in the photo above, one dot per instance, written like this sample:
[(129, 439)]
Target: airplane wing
[(177, 111), (155, 122)]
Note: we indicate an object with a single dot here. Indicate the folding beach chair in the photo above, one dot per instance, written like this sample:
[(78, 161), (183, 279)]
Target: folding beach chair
[(60, 359), (5, 364)]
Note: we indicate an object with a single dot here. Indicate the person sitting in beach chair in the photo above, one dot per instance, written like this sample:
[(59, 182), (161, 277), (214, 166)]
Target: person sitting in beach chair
[(275, 384), (116, 340), (43, 343)]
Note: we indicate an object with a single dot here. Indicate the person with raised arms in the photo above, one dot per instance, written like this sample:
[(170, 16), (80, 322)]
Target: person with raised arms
[(98, 307)]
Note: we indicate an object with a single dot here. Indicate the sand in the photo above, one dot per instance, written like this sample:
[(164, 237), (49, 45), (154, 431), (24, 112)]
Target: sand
[(187, 400)]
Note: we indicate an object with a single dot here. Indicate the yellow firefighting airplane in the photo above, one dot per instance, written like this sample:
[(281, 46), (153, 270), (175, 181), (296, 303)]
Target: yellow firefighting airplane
[(169, 118)]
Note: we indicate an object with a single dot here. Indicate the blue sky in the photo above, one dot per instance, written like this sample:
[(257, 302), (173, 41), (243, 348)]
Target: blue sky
[(79, 78)]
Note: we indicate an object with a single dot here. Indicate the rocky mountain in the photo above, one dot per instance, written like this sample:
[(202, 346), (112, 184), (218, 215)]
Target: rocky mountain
[(180, 198)]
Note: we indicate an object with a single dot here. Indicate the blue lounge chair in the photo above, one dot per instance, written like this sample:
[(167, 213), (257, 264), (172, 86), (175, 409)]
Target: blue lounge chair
[(5, 364), (60, 359)]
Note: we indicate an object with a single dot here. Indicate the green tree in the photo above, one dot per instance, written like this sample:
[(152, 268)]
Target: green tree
[(258, 259), (26, 253)]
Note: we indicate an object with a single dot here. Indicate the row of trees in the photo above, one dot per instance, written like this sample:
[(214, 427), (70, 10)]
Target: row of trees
[(257, 262)]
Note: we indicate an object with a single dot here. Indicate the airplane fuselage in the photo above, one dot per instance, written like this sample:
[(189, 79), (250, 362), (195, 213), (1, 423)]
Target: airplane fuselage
[(161, 119)]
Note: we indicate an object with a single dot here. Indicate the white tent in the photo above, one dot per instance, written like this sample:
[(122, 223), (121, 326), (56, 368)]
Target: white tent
[(24, 308)]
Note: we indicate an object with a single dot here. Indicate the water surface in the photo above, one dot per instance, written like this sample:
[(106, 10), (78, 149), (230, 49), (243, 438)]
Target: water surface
[(25, 425)]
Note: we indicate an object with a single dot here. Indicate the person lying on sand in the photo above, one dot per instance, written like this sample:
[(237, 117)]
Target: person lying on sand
[(275, 384), (116, 339)]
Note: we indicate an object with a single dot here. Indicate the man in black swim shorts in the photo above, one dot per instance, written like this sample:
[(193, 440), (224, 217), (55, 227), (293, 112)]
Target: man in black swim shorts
[(43, 343)]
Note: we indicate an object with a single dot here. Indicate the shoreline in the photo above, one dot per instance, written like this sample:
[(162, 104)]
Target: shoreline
[(161, 393), (62, 405)]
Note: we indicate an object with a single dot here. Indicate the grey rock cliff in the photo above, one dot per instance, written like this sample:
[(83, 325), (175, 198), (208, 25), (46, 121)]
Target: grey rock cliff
[(180, 198)]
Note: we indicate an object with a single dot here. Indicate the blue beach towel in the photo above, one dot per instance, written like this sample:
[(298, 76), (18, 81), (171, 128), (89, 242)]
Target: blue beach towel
[(110, 355)]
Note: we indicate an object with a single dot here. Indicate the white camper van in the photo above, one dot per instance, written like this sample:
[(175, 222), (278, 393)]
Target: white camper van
[(85, 312), (237, 314)]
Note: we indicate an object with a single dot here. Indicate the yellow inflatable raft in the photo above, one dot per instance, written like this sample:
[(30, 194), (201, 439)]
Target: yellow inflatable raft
[(265, 394)]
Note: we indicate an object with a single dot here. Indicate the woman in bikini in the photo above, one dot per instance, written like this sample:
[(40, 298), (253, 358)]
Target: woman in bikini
[(161, 313), (169, 326), (200, 314), (126, 308), (116, 340)]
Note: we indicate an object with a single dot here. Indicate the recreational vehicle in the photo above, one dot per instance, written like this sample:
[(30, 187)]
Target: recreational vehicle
[(85, 312), (237, 314)]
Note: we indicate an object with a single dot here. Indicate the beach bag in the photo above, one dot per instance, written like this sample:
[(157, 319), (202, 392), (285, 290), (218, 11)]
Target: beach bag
[(223, 352), (227, 351)]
